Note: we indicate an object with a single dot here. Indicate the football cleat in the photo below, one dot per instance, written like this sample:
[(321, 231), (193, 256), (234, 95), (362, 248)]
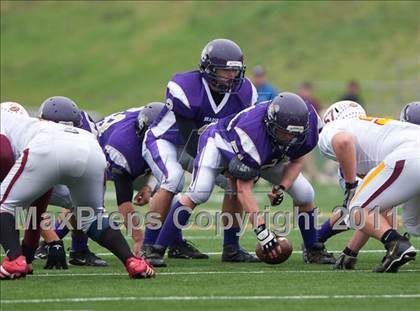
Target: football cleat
[(399, 252), (13, 269), (86, 258), (345, 262), (154, 255), (234, 254), (185, 250), (138, 268), (317, 254), (41, 251)]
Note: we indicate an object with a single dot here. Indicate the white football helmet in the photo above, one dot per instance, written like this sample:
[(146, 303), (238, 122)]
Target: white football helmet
[(345, 109), (14, 108)]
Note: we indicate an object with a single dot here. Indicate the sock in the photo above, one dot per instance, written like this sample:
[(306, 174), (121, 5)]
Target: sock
[(307, 228), (60, 232), (350, 252), (230, 237), (151, 235), (114, 241), (326, 231), (390, 235), (79, 242), (9, 236), (170, 234)]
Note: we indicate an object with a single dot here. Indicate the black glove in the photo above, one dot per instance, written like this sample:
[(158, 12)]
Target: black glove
[(266, 238), (56, 256), (349, 193), (277, 195)]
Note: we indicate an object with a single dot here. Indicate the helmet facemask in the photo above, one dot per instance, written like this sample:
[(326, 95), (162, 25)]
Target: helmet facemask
[(284, 138), (220, 82)]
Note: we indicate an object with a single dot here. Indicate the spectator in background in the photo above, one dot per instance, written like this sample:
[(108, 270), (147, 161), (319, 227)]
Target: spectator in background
[(353, 92), (265, 90), (305, 91)]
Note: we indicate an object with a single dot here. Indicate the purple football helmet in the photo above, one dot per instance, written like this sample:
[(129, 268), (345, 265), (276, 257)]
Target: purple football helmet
[(147, 116), (61, 109), (411, 113), (222, 54), (287, 120)]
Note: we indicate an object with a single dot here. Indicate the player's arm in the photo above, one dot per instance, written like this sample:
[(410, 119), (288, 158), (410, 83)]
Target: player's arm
[(345, 151), (291, 172), (124, 192), (247, 200), (344, 148)]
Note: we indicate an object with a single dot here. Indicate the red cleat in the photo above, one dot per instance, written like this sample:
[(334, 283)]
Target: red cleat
[(138, 268), (14, 269)]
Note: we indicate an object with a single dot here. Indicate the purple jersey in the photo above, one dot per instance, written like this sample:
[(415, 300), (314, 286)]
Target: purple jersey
[(120, 143), (188, 95), (88, 124), (249, 139)]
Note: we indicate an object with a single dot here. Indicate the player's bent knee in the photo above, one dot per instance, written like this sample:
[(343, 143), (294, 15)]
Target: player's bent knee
[(175, 182), (199, 197)]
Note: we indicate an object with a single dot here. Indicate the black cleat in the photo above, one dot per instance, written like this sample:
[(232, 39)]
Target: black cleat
[(399, 252), (154, 255), (317, 254), (234, 254), (185, 250), (345, 262), (86, 258), (41, 251)]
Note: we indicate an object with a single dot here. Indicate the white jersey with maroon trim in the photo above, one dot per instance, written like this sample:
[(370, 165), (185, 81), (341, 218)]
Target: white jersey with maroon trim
[(375, 139)]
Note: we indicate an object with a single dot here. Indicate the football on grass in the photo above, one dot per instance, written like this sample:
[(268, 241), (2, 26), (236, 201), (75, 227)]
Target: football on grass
[(286, 251)]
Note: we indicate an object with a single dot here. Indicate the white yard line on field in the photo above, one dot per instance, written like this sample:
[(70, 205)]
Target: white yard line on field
[(294, 252), (213, 298), (207, 272)]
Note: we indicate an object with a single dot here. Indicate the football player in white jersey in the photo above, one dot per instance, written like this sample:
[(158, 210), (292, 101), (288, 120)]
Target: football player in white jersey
[(53, 154), (14, 107), (385, 154)]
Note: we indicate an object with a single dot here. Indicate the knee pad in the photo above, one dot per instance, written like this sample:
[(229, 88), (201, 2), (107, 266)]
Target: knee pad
[(199, 197), (302, 192), (175, 181)]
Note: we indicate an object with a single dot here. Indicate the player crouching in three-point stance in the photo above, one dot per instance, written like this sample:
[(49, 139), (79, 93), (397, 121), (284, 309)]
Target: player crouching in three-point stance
[(52, 154), (385, 153), (267, 135)]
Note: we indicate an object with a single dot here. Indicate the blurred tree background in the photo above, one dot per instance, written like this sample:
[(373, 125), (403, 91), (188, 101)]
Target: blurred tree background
[(110, 56)]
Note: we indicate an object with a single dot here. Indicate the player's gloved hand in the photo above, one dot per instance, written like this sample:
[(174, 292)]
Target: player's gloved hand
[(349, 193), (56, 256), (276, 195), (266, 238)]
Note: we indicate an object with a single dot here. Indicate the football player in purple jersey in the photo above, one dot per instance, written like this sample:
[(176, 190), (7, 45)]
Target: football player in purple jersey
[(195, 99), (268, 140)]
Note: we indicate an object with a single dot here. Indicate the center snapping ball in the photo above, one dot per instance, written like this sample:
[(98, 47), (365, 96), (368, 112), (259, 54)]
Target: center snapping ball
[(286, 250)]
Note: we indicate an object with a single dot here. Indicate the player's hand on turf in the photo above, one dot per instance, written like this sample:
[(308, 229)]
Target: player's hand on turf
[(276, 195), (143, 196), (56, 256), (349, 193), (267, 240)]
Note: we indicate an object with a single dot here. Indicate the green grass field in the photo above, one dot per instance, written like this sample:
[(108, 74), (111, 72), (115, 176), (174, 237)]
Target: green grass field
[(210, 284), (111, 56)]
